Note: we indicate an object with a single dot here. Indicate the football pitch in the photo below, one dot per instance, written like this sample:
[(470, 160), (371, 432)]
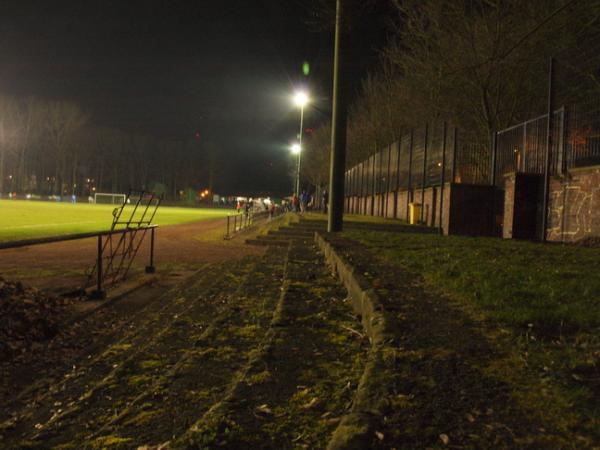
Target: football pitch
[(22, 219)]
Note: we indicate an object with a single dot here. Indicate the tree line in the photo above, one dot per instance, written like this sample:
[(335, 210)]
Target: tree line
[(50, 147), (480, 64)]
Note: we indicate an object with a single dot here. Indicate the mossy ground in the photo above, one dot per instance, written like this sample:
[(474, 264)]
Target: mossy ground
[(296, 391), (152, 377), (480, 369), (266, 352)]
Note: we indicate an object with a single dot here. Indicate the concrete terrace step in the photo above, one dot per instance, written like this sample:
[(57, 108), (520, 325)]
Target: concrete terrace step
[(291, 232), (308, 225), (264, 241), (297, 389), (149, 386), (399, 227)]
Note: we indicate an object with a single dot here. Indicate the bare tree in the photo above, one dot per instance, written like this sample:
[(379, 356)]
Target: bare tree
[(315, 160), (483, 62), (64, 120), (9, 111), (31, 116)]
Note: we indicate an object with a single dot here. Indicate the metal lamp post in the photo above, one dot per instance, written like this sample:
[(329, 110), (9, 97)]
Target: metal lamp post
[(297, 150), (300, 99)]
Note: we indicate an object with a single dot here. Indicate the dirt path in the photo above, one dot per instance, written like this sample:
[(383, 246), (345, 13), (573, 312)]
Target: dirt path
[(62, 265)]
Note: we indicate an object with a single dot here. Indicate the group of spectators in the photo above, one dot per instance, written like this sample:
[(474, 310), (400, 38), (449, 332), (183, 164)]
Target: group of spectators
[(306, 202), (254, 206)]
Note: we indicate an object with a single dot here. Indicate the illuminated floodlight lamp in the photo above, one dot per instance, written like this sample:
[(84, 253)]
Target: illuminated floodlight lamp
[(300, 99), (295, 148)]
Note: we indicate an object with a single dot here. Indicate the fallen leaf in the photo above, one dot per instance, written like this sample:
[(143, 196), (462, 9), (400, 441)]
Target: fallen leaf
[(265, 410), (313, 404)]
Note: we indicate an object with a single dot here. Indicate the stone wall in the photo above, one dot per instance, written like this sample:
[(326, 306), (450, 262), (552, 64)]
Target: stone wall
[(401, 201), (579, 191), (471, 213), (389, 210), (574, 205), (383, 205), (509, 205)]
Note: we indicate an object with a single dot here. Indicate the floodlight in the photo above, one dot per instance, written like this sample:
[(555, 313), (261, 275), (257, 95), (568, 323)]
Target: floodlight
[(300, 99)]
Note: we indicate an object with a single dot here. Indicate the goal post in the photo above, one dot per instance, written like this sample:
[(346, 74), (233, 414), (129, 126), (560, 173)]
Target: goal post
[(104, 198)]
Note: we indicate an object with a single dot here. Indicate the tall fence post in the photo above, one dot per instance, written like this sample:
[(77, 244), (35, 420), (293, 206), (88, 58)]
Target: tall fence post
[(409, 192), (494, 158), (521, 159), (397, 187), (388, 184), (150, 268), (424, 172), (454, 152), (493, 179), (373, 184), (443, 178), (99, 275), (549, 142)]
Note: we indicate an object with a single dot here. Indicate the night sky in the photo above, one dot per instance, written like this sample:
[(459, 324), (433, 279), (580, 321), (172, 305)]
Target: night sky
[(225, 69)]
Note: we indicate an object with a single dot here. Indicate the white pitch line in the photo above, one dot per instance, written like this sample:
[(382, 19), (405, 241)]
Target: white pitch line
[(41, 225)]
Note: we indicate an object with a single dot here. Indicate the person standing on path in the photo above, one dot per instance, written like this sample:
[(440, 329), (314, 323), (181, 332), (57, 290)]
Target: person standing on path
[(303, 201)]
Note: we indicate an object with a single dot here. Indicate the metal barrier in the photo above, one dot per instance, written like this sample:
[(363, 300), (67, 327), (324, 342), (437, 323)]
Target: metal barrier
[(241, 221), (105, 273)]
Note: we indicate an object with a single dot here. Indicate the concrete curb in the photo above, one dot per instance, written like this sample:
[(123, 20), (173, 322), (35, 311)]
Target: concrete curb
[(356, 428)]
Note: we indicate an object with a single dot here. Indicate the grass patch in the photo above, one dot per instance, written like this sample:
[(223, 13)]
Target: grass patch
[(545, 299), (22, 219), (545, 287), (110, 442), (354, 218), (150, 364)]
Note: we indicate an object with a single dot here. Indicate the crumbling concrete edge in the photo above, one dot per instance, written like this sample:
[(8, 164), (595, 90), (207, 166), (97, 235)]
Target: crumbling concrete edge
[(356, 429)]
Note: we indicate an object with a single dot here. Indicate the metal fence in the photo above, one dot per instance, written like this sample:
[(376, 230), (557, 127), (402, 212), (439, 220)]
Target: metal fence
[(522, 148), (582, 134), (422, 158), (116, 250), (565, 138)]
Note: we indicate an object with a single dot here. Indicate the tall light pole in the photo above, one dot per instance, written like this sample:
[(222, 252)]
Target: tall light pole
[(335, 212), (300, 99), (297, 150)]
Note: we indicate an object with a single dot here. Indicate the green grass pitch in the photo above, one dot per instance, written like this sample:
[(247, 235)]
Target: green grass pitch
[(21, 219)]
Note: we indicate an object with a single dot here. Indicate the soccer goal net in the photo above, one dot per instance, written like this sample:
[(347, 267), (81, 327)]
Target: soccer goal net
[(109, 199)]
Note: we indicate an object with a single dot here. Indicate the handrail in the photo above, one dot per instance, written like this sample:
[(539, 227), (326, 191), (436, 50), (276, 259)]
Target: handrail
[(99, 292), (66, 237), (245, 221)]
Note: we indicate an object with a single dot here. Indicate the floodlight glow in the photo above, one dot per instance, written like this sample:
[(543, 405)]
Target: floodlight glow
[(300, 99), (295, 149)]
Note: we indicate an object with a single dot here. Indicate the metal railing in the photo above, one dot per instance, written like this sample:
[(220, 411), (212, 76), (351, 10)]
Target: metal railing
[(242, 221), (105, 272)]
